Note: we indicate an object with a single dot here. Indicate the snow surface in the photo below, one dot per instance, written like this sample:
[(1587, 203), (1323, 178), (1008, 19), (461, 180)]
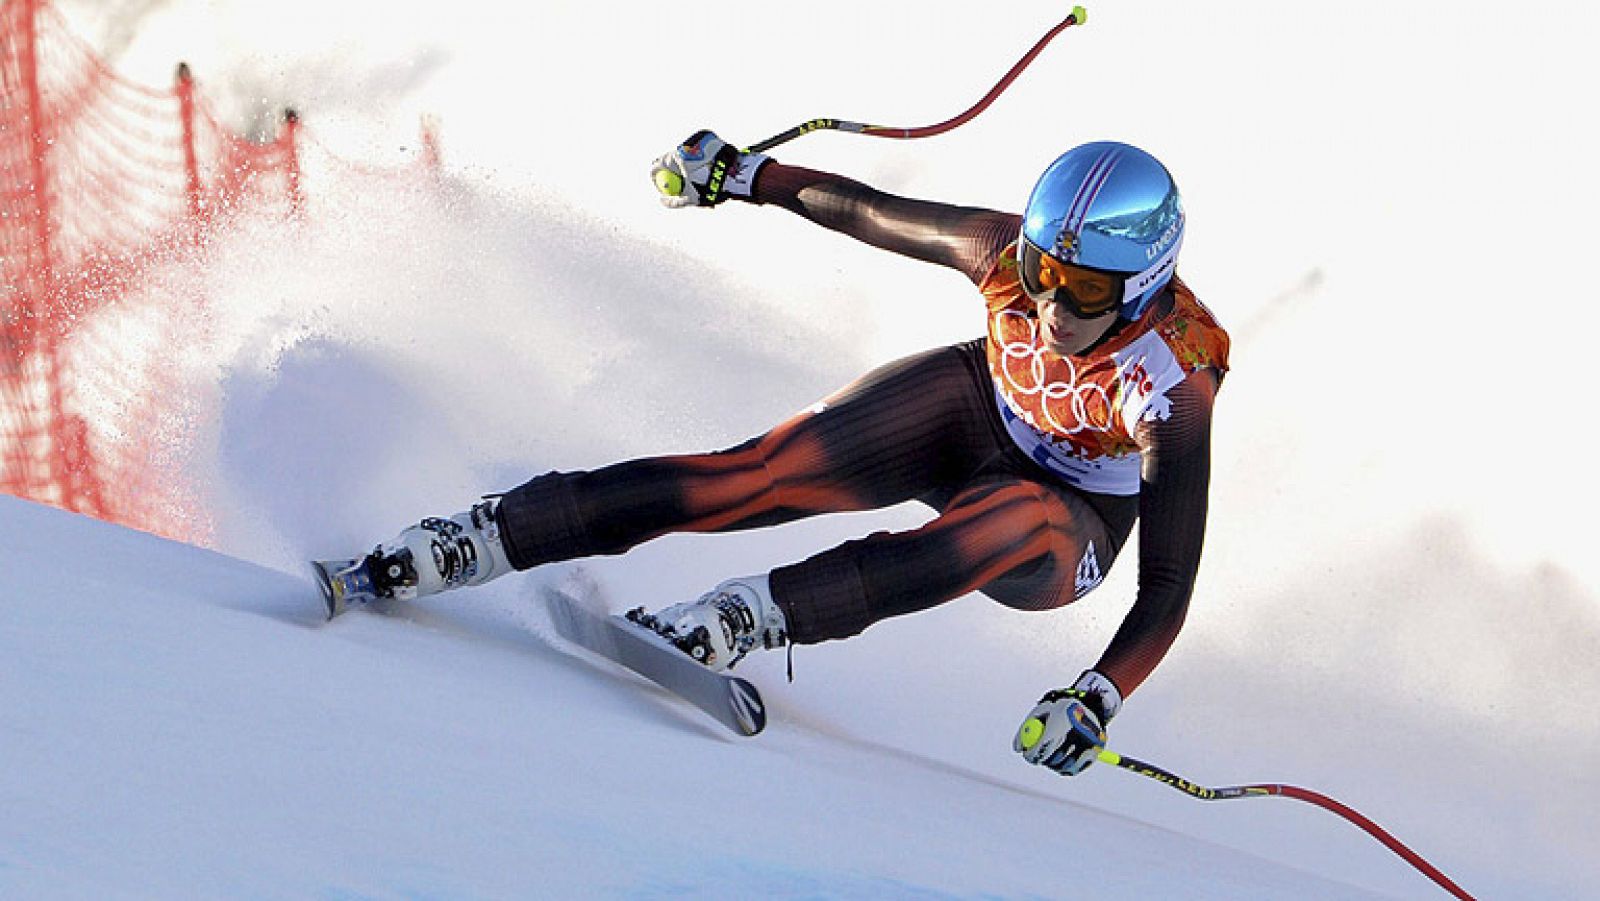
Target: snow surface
[(1396, 606), (182, 724)]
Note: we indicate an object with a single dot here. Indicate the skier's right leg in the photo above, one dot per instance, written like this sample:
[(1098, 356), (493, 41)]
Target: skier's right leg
[(438, 554), (898, 433), (909, 428)]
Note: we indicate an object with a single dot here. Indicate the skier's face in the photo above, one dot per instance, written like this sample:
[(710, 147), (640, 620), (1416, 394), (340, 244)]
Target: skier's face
[(1076, 305), (1066, 334)]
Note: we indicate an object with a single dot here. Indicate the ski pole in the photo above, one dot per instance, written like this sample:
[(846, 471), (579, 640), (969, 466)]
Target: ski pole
[(1286, 791), (670, 184), (1078, 16)]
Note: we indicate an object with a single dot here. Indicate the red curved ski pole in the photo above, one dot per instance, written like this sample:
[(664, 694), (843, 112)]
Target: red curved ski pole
[(1287, 791), (1078, 16)]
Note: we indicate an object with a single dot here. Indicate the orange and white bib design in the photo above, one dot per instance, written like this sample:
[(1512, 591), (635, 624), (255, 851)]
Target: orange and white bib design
[(1077, 416)]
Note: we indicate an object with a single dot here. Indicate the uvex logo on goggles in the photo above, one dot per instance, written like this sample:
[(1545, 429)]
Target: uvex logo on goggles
[(1086, 293)]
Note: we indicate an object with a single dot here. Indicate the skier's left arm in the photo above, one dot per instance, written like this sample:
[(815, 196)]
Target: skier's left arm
[(1066, 728), (1172, 526)]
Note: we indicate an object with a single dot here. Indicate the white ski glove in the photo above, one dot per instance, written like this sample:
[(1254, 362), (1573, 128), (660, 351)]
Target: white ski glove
[(704, 171), (1066, 729)]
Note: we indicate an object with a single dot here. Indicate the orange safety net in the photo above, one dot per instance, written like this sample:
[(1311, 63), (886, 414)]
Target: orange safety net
[(103, 181)]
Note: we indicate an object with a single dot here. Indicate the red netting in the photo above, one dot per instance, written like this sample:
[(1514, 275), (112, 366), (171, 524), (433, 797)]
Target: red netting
[(101, 181)]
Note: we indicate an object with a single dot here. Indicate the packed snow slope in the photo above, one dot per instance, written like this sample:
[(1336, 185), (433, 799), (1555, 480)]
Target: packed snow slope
[(1396, 606), (178, 723)]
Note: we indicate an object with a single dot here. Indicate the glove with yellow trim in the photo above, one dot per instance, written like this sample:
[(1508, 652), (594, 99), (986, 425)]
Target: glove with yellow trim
[(1066, 729), (704, 171)]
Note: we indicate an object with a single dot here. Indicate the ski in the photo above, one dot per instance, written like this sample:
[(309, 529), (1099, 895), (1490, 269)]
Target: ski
[(344, 582), (729, 700)]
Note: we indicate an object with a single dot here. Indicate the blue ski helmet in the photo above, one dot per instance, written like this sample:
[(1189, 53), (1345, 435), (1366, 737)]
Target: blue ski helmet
[(1112, 207)]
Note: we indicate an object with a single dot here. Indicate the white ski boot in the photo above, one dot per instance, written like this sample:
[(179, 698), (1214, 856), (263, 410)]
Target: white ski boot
[(439, 554), (724, 624)]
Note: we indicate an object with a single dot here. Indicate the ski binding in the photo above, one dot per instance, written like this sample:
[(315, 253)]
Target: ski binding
[(730, 700)]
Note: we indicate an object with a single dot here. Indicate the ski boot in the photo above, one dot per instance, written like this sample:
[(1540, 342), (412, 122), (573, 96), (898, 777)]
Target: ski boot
[(433, 556), (725, 624)]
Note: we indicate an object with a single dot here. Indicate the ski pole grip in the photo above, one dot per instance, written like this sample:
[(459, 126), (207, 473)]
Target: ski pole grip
[(669, 182), (1030, 733)]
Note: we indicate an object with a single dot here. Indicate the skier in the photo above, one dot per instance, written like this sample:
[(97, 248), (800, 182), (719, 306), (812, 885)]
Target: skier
[(1086, 407)]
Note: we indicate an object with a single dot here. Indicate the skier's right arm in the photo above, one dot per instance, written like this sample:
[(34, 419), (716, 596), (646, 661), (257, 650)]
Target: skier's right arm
[(967, 239)]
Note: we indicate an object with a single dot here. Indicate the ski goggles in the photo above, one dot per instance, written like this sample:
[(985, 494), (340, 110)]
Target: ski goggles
[(1085, 292)]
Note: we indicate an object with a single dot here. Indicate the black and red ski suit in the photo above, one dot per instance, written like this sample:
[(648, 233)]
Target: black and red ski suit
[(924, 428)]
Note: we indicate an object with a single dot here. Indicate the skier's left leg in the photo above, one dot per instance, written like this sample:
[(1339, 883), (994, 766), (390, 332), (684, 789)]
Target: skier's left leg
[(1022, 542), (1026, 543)]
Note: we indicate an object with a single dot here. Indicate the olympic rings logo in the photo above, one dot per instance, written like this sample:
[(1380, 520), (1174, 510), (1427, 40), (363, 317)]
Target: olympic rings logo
[(1067, 406)]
